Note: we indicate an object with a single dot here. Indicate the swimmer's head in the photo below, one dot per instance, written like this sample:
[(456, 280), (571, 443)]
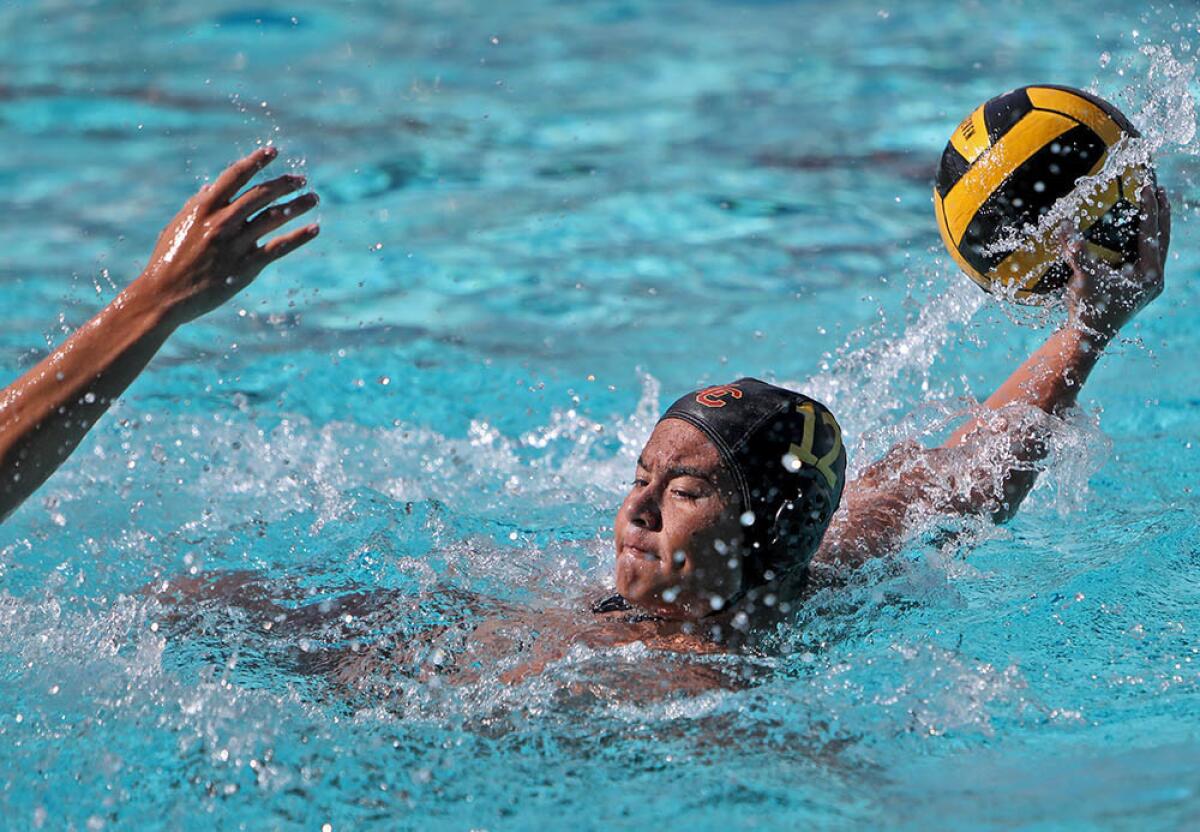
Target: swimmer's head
[(733, 493)]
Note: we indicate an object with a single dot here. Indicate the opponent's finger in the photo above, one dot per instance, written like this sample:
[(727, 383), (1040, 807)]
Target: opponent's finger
[(286, 244), (277, 215), (235, 177), (262, 195)]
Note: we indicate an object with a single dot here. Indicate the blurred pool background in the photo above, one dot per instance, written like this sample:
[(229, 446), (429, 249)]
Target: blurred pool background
[(541, 222)]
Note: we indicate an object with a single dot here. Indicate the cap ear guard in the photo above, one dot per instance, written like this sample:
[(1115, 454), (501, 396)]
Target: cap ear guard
[(798, 527)]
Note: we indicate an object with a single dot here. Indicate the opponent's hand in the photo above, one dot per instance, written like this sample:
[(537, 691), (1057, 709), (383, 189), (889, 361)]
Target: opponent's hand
[(210, 251), (1102, 299)]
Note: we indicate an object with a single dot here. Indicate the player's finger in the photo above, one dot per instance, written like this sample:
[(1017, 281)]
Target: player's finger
[(277, 215), (235, 177), (262, 195), (287, 243), (1075, 253), (1149, 239), (1164, 222)]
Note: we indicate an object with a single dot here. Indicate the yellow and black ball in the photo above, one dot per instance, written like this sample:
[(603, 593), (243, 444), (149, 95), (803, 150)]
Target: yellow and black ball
[(1007, 165)]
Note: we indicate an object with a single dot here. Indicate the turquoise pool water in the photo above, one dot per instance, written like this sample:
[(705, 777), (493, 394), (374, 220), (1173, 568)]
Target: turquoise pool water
[(541, 222)]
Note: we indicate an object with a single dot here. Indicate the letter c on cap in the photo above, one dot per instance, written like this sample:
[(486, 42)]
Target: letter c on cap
[(715, 396)]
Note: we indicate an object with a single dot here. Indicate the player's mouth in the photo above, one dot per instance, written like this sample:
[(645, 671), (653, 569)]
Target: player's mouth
[(639, 552)]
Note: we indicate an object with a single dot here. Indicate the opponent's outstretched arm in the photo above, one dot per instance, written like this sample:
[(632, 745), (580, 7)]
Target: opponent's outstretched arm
[(207, 254), (988, 465)]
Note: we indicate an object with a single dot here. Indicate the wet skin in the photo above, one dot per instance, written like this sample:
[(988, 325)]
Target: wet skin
[(678, 532)]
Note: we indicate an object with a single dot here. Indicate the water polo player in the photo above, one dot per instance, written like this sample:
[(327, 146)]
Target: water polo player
[(734, 510), (739, 502)]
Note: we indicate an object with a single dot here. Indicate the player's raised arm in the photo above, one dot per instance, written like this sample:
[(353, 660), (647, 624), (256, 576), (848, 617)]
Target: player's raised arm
[(208, 253), (988, 465)]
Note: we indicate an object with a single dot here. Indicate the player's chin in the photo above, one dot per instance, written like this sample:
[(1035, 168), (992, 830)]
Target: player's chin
[(639, 580)]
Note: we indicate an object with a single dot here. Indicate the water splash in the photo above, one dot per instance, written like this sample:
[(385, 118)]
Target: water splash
[(1166, 118)]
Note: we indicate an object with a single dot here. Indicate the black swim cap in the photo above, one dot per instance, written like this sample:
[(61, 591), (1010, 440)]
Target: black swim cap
[(786, 455)]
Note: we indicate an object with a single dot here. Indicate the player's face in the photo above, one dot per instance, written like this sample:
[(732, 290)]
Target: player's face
[(678, 532)]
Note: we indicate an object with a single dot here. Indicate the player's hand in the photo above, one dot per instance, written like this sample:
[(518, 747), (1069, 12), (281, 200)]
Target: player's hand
[(210, 251), (1102, 299)]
